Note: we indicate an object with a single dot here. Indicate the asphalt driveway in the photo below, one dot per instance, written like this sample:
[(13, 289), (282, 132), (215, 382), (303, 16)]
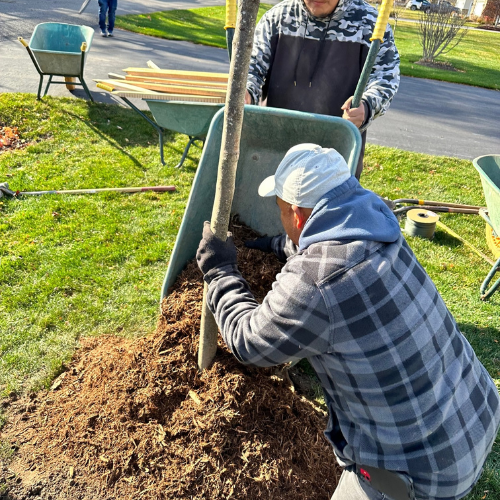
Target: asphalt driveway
[(426, 116)]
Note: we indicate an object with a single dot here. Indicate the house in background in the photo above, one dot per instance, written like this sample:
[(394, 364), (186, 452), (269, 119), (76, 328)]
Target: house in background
[(477, 7), (471, 7)]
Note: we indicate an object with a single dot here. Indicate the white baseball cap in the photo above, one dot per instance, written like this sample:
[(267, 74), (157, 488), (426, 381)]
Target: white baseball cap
[(305, 174)]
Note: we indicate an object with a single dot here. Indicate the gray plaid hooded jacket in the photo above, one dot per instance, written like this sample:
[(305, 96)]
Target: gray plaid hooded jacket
[(404, 388), (313, 64)]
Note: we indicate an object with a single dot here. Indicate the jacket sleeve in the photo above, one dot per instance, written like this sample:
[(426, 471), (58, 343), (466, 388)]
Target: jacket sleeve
[(292, 322), (283, 247), (260, 60), (384, 79)]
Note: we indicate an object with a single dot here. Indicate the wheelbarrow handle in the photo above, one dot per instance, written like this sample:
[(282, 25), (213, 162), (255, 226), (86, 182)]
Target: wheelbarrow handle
[(83, 48), (23, 41)]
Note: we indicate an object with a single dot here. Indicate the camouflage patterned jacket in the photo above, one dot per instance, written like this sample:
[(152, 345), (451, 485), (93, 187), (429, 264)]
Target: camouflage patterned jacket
[(313, 64)]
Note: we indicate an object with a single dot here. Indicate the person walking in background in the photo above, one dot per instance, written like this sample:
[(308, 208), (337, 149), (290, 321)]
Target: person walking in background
[(107, 8)]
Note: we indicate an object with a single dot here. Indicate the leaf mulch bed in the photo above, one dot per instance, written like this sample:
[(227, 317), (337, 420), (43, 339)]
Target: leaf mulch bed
[(134, 419)]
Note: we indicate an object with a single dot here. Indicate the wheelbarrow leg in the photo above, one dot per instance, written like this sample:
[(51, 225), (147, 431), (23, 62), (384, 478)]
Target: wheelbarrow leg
[(40, 87), (82, 81), (152, 123), (186, 150), (48, 85), (486, 294)]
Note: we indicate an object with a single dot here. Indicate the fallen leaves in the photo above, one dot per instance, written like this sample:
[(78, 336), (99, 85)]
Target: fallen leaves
[(10, 139)]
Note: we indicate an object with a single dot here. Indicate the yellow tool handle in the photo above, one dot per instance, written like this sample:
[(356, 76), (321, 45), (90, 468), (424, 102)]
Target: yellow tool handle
[(83, 48), (231, 11), (109, 88), (382, 20), (22, 40)]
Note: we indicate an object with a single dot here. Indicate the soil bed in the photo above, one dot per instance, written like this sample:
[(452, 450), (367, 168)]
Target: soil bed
[(135, 418)]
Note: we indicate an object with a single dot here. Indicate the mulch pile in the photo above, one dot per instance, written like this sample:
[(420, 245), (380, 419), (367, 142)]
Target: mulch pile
[(10, 139), (135, 418)]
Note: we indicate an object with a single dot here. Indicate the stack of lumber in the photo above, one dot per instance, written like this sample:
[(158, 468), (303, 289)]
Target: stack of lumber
[(167, 85)]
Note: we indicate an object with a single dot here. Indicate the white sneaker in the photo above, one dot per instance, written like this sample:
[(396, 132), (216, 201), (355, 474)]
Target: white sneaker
[(103, 33)]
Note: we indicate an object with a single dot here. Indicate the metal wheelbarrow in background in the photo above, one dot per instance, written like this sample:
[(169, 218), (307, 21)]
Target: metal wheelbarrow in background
[(488, 167), (58, 49), (190, 118), (266, 136)]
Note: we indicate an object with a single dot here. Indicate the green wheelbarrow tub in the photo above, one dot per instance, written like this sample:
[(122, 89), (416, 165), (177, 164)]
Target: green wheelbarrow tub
[(57, 47), (190, 118), (488, 167), (266, 136)]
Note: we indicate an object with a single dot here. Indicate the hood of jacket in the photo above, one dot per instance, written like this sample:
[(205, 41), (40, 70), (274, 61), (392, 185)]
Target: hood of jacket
[(350, 212)]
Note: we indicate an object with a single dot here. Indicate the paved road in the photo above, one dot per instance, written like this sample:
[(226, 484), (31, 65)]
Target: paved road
[(426, 116)]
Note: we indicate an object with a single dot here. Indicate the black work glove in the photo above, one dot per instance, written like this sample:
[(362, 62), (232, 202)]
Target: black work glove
[(263, 244), (213, 252)]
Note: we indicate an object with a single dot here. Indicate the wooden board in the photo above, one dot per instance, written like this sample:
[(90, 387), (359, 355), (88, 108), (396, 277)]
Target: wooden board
[(178, 74), (169, 97), (173, 81), (179, 89), (120, 84)]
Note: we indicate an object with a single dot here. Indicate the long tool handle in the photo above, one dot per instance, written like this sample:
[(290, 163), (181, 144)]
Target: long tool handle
[(101, 190), (229, 154), (376, 39)]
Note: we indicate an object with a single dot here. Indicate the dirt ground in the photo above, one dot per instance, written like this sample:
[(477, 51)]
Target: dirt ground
[(135, 418)]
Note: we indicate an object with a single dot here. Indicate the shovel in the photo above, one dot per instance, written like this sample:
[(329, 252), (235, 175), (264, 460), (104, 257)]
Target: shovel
[(5, 191)]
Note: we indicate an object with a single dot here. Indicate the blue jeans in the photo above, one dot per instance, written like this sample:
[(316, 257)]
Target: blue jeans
[(107, 7)]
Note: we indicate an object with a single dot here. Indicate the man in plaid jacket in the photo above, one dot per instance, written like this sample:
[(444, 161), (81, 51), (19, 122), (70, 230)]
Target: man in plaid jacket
[(412, 410)]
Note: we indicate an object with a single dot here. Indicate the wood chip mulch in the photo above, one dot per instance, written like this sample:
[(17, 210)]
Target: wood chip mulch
[(134, 419)]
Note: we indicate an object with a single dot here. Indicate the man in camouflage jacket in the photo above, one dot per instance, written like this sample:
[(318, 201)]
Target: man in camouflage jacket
[(308, 56), (404, 388)]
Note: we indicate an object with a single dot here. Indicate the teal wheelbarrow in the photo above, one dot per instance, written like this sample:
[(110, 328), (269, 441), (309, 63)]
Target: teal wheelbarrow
[(58, 49), (190, 118), (488, 167), (266, 136)]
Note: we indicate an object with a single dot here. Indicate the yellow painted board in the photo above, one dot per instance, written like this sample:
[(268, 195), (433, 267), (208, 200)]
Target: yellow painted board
[(179, 89), (169, 97), (186, 75), (120, 84)]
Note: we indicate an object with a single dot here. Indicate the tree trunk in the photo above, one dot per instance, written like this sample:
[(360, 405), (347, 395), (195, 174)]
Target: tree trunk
[(230, 151)]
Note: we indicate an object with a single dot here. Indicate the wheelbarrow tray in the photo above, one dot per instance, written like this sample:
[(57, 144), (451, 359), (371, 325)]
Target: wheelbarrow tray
[(488, 167), (266, 136), (190, 118), (57, 47)]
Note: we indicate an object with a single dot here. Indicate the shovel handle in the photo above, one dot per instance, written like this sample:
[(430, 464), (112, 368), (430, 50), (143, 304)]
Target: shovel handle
[(376, 39)]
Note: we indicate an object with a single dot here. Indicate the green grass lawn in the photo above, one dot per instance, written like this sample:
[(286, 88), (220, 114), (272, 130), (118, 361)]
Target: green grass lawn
[(73, 266), (81, 265), (476, 59)]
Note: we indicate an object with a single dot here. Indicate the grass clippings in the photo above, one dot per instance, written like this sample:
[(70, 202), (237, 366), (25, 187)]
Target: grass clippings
[(136, 419)]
